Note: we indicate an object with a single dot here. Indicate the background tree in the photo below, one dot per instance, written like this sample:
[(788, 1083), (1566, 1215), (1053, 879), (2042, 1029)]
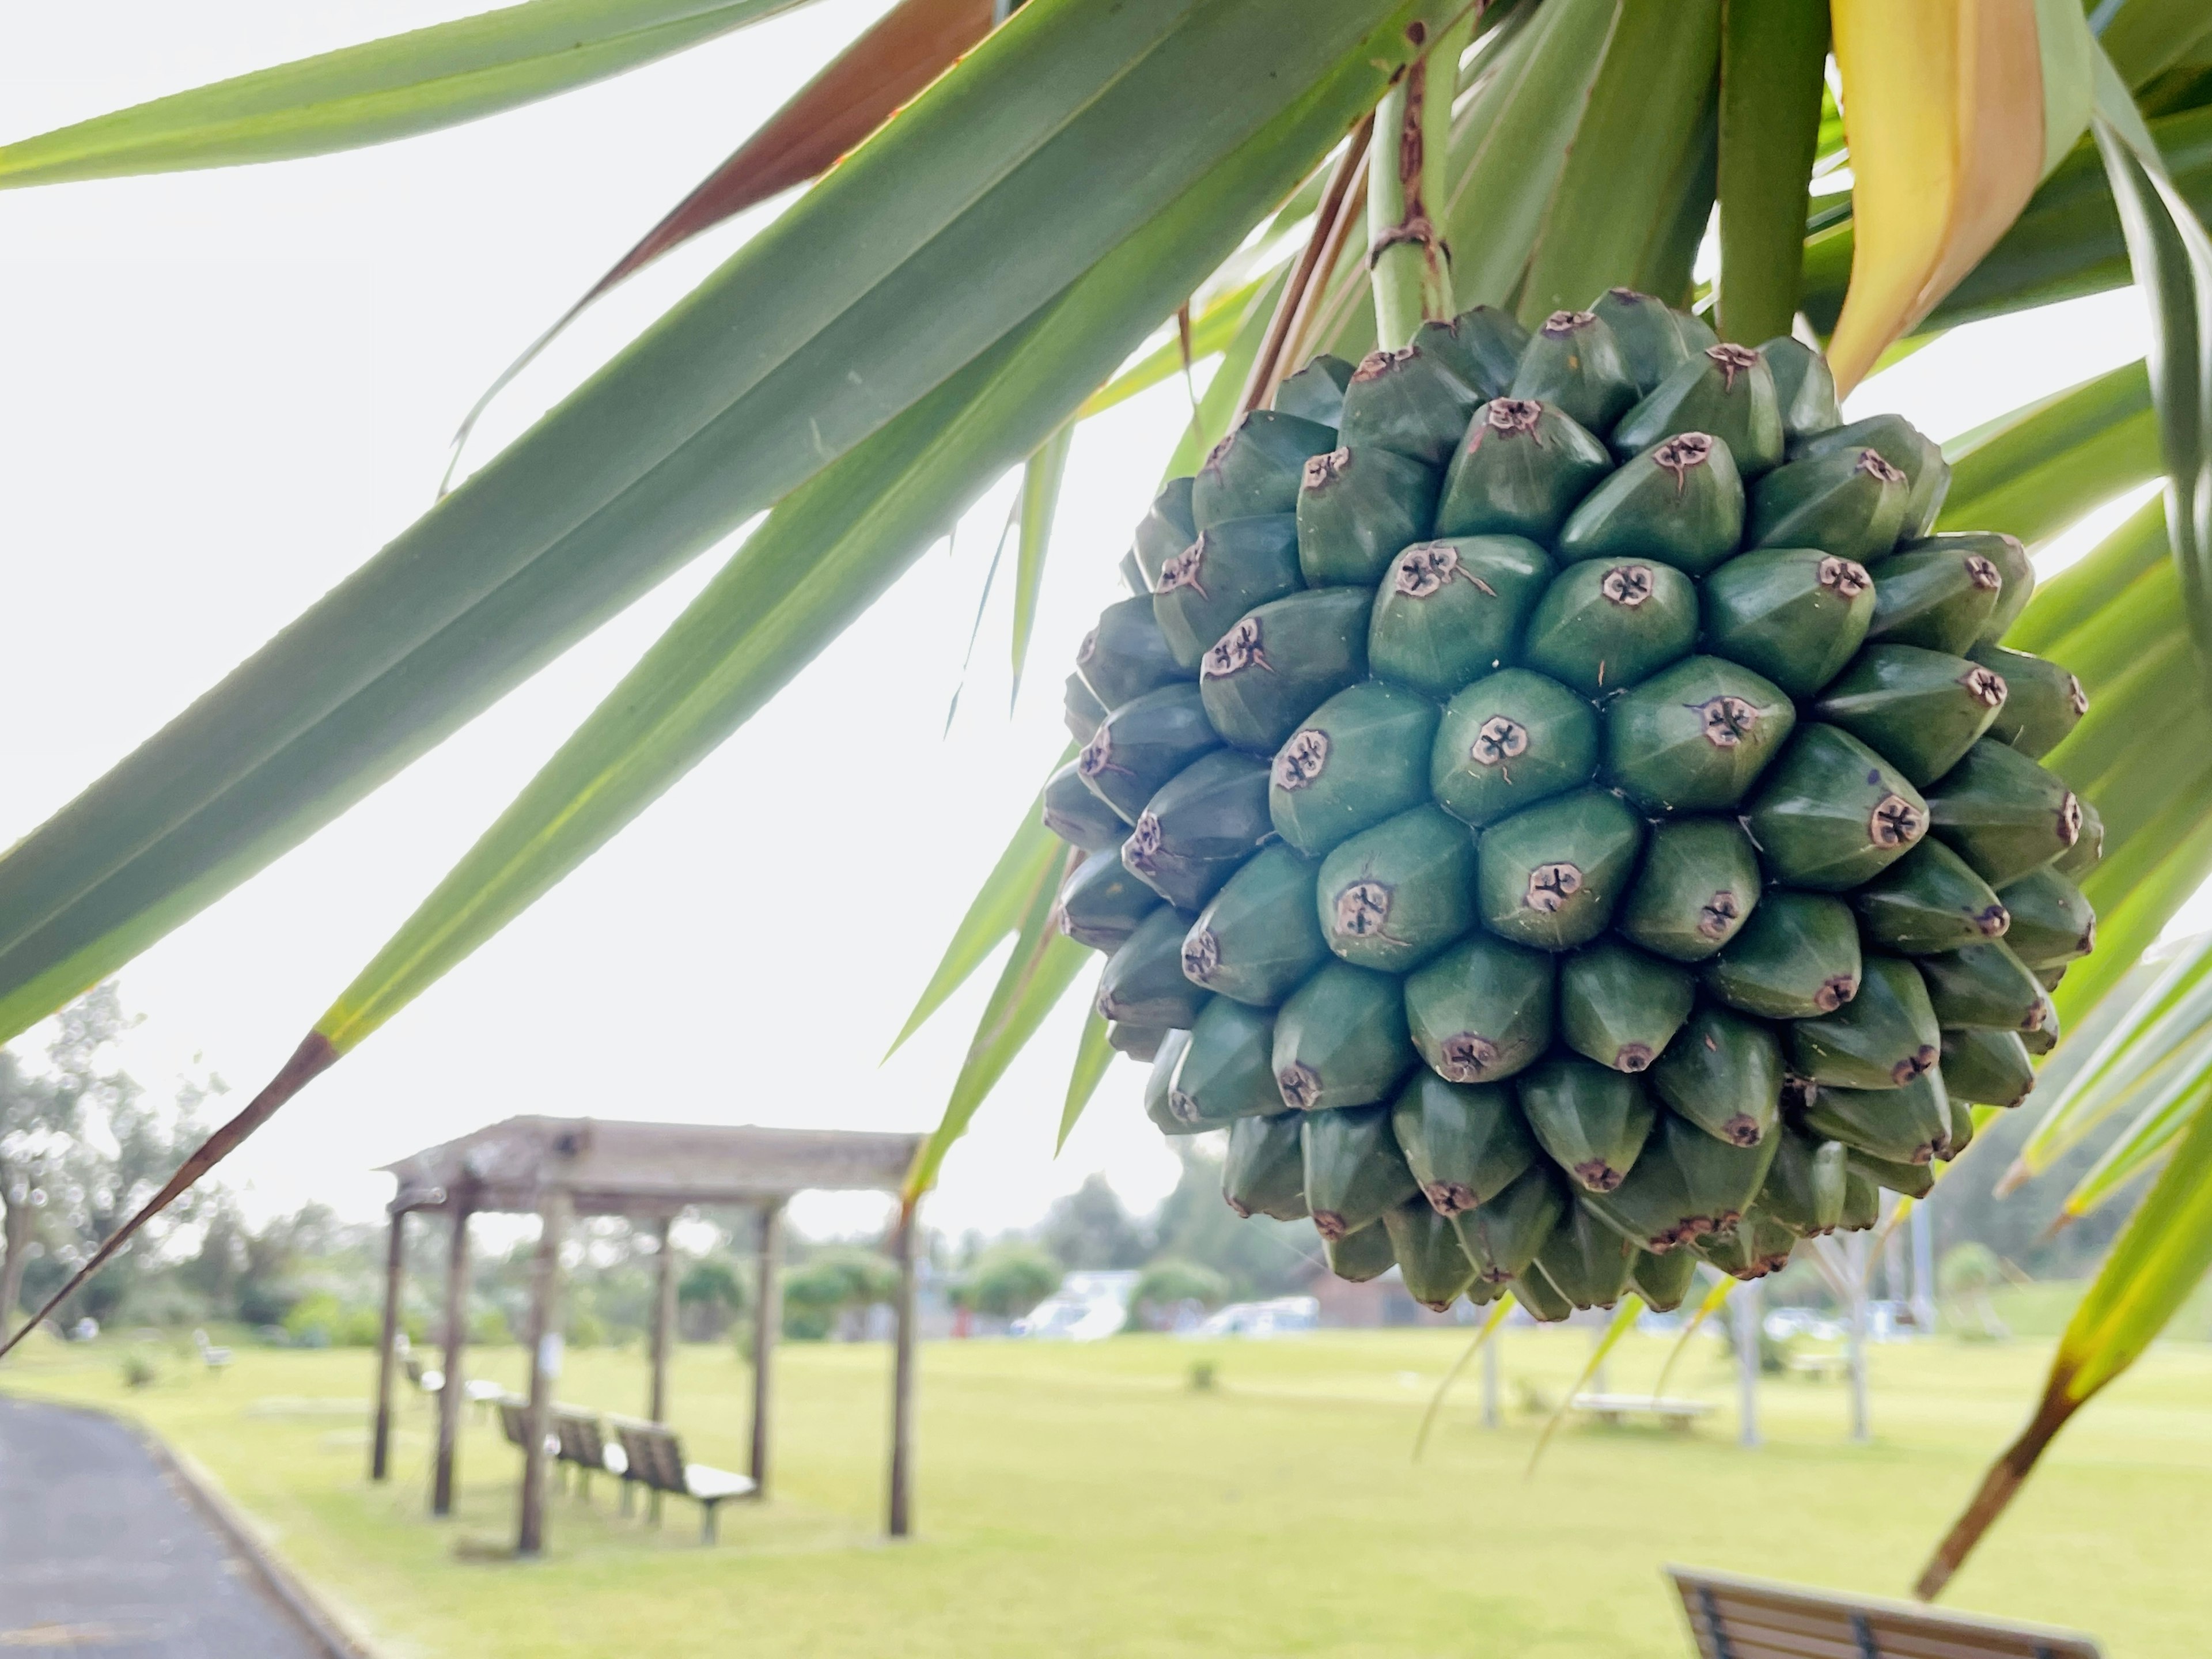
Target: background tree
[(1010, 1278), (1092, 1228)]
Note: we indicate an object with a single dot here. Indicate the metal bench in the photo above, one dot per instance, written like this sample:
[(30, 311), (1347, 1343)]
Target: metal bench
[(656, 1460), (1617, 1408), (583, 1445), (1733, 1618)]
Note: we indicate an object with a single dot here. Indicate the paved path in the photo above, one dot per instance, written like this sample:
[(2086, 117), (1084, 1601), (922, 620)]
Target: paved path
[(101, 1554)]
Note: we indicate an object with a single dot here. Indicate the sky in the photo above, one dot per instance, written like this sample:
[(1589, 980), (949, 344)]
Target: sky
[(220, 391)]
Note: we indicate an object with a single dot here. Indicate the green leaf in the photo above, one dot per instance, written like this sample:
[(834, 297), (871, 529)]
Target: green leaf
[(1217, 407), (2037, 470), (1064, 134), (995, 911), (1210, 332), (2068, 599), (2144, 36), (2154, 1268), (1773, 53), (1646, 111), (382, 90), (1623, 1322), (1040, 479), (1498, 1310), (1093, 1055), (1043, 965), (2171, 255), (2164, 1119), (1516, 129)]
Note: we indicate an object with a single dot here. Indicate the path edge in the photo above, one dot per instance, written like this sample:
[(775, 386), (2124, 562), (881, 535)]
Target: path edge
[(325, 1625)]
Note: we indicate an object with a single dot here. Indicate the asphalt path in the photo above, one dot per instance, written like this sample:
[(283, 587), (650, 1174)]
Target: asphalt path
[(100, 1553)]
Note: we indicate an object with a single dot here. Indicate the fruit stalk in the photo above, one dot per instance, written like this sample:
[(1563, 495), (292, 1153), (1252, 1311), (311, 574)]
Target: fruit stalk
[(1409, 267)]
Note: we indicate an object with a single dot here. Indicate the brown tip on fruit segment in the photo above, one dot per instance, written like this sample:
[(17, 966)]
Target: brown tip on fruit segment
[(1566, 322), (1376, 364), (1213, 455), (1243, 1210), (1141, 849), (1425, 568), (1301, 759), (1985, 686), (1846, 577), (1728, 721), (1088, 649), (1597, 1175), (1871, 463), (1183, 570), (1512, 416), (1921, 1060), (1717, 914), (1628, 296), (1237, 649), (1097, 756), (1982, 573), (1895, 822), (1991, 920), (2076, 695), (1299, 1085), (1626, 585), (1550, 885), (1743, 1130), (1466, 1057), (1201, 955), (1680, 453), (1182, 1107), (2070, 819), (1330, 1225), (1797, 1093), (2034, 1021), (1363, 908), (1734, 360), (1450, 1197), (1633, 1057), (1499, 740), (1833, 993), (1326, 469)]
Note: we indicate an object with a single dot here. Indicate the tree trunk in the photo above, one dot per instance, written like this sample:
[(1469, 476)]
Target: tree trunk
[(15, 1237)]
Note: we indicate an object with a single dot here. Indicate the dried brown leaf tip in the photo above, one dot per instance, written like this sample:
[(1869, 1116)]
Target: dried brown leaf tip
[(1300, 759), (1845, 578), (1872, 464), (1680, 453), (1734, 360)]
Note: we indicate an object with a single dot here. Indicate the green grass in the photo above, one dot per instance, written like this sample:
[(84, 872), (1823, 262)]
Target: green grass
[(1085, 1501)]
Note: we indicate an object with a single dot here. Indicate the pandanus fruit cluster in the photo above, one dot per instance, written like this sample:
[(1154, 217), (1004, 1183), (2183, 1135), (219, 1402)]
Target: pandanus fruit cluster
[(1555, 802)]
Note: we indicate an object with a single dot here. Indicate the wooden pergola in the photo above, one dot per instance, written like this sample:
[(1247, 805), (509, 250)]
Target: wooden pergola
[(560, 1169)]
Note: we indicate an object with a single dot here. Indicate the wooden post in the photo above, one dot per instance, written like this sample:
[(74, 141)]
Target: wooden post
[(456, 1334), (663, 1324), (380, 1450), (545, 1354), (768, 1315), (1859, 1268), (901, 1494)]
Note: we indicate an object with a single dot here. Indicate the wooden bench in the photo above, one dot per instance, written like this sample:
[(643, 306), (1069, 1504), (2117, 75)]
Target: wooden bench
[(1733, 1618), (1617, 1408), (655, 1460), (582, 1440)]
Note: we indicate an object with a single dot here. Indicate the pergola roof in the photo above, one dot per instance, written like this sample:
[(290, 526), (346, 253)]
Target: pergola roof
[(616, 1167)]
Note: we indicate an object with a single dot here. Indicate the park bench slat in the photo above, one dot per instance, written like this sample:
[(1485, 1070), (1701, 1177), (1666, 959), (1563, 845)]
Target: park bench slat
[(1733, 1618)]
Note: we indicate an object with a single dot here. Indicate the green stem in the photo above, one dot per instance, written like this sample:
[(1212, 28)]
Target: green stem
[(1411, 270)]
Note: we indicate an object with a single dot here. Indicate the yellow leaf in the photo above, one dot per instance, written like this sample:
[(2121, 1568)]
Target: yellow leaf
[(1943, 111)]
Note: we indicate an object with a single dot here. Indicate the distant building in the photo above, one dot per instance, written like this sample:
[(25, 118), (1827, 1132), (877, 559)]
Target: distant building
[(1370, 1305), (1085, 1307)]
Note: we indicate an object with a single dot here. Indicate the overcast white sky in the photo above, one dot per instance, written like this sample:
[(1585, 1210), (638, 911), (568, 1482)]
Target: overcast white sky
[(222, 390)]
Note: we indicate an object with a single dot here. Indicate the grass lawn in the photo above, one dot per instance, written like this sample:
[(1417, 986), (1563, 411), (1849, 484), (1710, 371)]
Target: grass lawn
[(1079, 1501)]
